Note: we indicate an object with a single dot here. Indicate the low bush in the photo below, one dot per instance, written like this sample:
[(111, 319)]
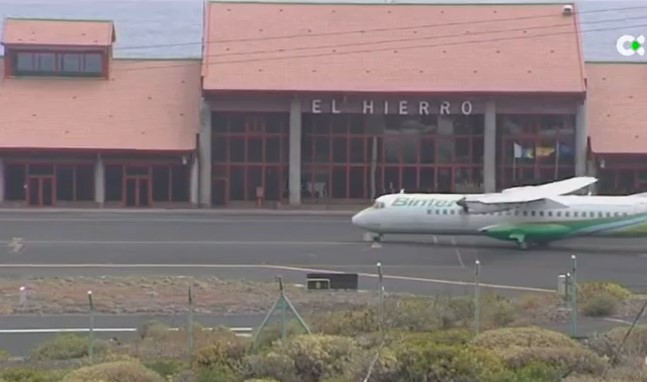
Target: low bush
[(31, 375), (588, 290), (304, 358), (226, 353), (4, 355), (66, 347), (609, 343), (600, 305), (167, 368), (156, 341), (521, 347), (114, 372), (421, 357)]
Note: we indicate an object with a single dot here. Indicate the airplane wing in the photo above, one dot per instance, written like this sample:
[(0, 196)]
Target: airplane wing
[(519, 196), (533, 193)]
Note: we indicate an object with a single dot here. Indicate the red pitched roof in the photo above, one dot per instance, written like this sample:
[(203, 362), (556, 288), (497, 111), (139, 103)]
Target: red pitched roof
[(320, 53), (57, 32), (616, 112), (146, 105)]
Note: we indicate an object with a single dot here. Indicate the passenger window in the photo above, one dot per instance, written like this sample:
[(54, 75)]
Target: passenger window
[(616, 214), (567, 214), (550, 213), (541, 213), (575, 214), (525, 213), (608, 214), (600, 214), (444, 212), (532, 213), (558, 213)]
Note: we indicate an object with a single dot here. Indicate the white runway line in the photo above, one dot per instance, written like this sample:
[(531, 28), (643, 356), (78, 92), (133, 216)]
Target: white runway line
[(161, 242), (278, 267), (162, 220), (100, 330)]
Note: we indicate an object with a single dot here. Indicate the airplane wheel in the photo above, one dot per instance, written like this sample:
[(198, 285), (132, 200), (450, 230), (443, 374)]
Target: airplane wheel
[(523, 245)]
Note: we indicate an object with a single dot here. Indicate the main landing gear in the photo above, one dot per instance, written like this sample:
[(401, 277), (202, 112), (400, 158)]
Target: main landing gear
[(525, 245)]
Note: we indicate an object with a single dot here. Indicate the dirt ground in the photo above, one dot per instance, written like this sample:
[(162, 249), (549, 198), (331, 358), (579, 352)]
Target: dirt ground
[(169, 295), (160, 295)]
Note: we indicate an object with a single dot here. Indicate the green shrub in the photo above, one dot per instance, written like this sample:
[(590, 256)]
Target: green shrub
[(587, 290), (4, 355), (225, 354), (114, 372), (600, 305), (272, 333), (347, 323), (521, 347), (635, 345), (166, 368), (420, 358), (304, 358), (153, 329), (219, 375), (66, 347), (31, 375)]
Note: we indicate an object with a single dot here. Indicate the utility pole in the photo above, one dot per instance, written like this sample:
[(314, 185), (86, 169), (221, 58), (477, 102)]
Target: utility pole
[(573, 296), (477, 298), (91, 336)]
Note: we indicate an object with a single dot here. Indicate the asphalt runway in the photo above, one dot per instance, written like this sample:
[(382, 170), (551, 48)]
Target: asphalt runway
[(260, 247)]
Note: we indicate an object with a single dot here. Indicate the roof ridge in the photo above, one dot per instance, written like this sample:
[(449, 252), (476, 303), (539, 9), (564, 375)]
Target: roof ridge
[(61, 19)]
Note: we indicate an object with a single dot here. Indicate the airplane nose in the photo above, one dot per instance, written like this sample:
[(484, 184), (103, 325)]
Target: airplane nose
[(358, 219)]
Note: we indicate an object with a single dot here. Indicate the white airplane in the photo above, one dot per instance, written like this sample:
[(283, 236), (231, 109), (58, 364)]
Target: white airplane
[(530, 216)]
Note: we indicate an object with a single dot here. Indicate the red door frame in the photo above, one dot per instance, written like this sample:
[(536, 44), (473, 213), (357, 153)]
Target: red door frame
[(40, 179)]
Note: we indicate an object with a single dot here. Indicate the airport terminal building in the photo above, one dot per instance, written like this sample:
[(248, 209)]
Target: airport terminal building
[(321, 116), (315, 104)]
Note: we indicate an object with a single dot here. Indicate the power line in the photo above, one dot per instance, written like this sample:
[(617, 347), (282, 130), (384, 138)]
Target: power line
[(390, 41), (372, 30), (398, 48), (207, 62)]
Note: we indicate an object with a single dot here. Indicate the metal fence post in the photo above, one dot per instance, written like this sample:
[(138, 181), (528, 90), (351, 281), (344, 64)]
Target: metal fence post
[(190, 325), (91, 335), (477, 298), (573, 297)]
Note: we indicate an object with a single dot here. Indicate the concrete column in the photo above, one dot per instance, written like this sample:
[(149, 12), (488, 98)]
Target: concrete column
[(195, 181), (204, 155), (295, 152), (2, 180), (581, 139), (489, 148), (99, 182)]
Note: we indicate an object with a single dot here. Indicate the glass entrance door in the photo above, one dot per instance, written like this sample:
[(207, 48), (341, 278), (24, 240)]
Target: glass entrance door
[(40, 191), (137, 191)]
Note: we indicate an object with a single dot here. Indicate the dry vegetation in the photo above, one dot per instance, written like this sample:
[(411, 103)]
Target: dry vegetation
[(168, 295), (427, 339)]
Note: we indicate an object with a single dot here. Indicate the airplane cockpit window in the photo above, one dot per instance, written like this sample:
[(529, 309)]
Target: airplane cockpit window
[(378, 205)]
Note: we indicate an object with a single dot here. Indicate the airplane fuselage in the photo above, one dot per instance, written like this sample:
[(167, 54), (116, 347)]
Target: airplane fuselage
[(571, 216)]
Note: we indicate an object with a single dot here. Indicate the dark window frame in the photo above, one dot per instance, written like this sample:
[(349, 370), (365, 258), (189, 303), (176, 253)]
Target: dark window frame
[(60, 70)]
